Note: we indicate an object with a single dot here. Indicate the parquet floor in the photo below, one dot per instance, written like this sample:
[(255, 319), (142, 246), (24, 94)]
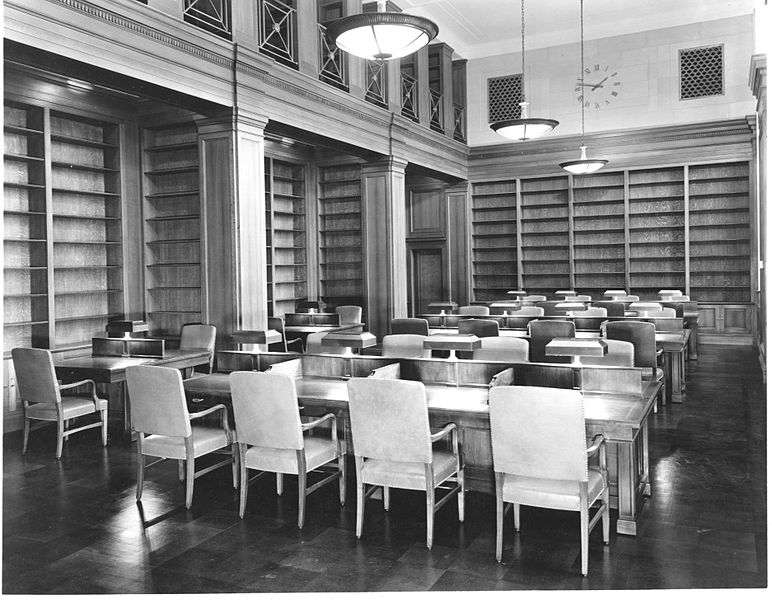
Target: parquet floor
[(73, 526)]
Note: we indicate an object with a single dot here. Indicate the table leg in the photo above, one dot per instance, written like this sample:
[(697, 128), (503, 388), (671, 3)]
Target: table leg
[(626, 488)]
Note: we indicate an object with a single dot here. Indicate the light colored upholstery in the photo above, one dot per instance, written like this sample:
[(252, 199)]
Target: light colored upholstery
[(510, 349), (410, 325), (479, 327), (404, 345), (569, 306), (643, 308), (664, 312), (531, 469), (592, 311), (615, 293), (349, 314), (528, 311), (43, 398), (198, 335), (270, 436), (499, 308), (393, 446), (277, 324), (479, 311), (159, 415), (533, 298), (314, 344), (618, 354), (581, 298)]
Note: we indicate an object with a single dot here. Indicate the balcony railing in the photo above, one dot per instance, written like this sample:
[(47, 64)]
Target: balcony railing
[(459, 123), (409, 96), (376, 83), (332, 61), (435, 111), (213, 16), (278, 31)]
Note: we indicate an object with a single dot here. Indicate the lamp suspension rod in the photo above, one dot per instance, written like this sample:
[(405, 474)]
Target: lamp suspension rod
[(522, 43), (581, 55)]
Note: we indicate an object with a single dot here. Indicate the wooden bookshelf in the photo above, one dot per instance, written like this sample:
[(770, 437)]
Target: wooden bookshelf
[(63, 246), (172, 211), (494, 240), (598, 206), (544, 229), (340, 235), (285, 219)]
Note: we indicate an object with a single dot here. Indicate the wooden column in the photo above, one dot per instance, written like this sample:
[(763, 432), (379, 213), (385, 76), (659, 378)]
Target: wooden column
[(459, 243), (385, 277), (447, 90), (233, 222), (308, 38), (422, 75)]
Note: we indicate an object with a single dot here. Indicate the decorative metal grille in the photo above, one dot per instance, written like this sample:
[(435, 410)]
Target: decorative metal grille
[(435, 111), (504, 97), (376, 83), (332, 61), (409, 96), (278, 31), (459, 123), (702, 72), (213, 16)]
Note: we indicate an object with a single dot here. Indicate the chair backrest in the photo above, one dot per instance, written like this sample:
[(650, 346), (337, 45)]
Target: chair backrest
[(526, 421), (643, 337), (532, 298), (265, 410), (510, 349), (581, 298), (618, 354), (664, 312), (628, 298), (35, 375), (480, 311), (528, 311), (157, 401), (389, 419), (678, 307), (349, 314), (198, 335), (479, 327), (499, 308), (314, 344), (615, 293), (541, 332), (410, 325), (277, 324), (404, 345), (643, 308), (569, 306), (593, 311), (613, 309)]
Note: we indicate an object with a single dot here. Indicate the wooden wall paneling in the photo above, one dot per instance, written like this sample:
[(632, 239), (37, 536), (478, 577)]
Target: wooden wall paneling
[(131, 221), (458, 244), (173, 255), (598, 239), (426, 212), (571, 253), (628, 252), (494, 240), (687, 240), (720, 232), (341, 235), (545, 234), (656, 231), (519, 239)]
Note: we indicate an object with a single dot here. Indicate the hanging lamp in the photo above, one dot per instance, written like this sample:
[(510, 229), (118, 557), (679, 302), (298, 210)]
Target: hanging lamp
[(525, 128), (584, 165), (382, 35)]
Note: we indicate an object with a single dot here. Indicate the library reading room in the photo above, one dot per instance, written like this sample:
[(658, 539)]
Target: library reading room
[(257, 251)]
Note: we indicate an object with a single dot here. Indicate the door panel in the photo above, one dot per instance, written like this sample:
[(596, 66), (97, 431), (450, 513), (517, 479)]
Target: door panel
[(428, 270)]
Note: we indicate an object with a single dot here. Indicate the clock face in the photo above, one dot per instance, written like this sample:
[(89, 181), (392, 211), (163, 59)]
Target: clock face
[(600, 87)]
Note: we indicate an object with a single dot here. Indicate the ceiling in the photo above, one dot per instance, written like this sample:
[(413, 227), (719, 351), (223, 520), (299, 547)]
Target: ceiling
[(478, 28)]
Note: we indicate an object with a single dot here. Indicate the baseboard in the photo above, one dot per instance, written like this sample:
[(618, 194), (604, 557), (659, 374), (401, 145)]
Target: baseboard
[(726, 340)]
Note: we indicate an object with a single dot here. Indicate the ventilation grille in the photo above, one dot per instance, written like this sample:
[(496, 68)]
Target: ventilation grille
[(702, 72), (504, 97)]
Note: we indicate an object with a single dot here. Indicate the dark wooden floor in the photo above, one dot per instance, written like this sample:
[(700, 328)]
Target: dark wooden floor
[(72, 526)]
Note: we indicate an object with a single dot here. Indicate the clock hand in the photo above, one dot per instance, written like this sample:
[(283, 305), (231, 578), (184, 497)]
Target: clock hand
[(600, 83)]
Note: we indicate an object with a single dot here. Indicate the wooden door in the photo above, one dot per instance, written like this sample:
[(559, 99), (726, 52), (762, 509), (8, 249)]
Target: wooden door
[(427, 268)]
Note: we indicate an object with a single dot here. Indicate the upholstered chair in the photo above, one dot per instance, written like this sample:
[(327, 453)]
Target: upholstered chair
[(410, 325), (475, 310), (618, 354), (509, 349), (349, 314), (277, 324), (613, 308), (404, 345), (393, 446), (44, 399), (198, 335), (314, 344), (531, 469), (270, 437), (541, 332), (643, 337), (479, 327), (643, 308)]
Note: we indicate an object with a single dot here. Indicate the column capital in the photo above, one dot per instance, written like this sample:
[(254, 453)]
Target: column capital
[(234, 120), (389, 163)]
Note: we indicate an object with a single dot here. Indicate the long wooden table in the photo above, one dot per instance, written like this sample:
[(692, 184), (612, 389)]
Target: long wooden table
[(110, 371), (622, 418)]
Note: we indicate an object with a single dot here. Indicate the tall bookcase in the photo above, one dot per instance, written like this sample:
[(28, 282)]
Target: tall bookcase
[(285, 218), (494, 239), (599, 233), (172, 228), (62, 214), (545, 234), (340, 235)]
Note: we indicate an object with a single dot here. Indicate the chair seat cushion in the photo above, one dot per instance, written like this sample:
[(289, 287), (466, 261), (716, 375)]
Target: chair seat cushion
[(319, 451), (550, 493), (72, 406), (205, 440), (407, 475)]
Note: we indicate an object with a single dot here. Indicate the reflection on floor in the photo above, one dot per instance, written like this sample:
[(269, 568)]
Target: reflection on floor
[(73, 526)]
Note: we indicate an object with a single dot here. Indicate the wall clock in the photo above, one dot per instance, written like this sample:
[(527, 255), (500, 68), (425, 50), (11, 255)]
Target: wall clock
[(600, 87)]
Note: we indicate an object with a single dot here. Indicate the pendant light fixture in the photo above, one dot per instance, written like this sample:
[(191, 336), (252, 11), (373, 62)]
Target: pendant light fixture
[(524, 128), (584, 165), (382, 35)]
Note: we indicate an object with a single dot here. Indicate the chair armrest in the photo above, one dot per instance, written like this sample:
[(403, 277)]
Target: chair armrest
[(596, 444), (298, 341), (443, 432), (223, 417), (68, 386), (311, 424)]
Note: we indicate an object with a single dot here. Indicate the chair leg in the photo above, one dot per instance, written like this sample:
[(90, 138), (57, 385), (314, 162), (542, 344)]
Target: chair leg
[(584, 518), (140, 467), (360, 496), (235, 465), (190, 475), (181, 470), (606, 516), (460, 477), (301, 498), (244, 486), (59, 438), (26, 435), (104, 426), (499, 516), (342, 482), (386, 498), (279, 484), (516, 511), (429, 514)]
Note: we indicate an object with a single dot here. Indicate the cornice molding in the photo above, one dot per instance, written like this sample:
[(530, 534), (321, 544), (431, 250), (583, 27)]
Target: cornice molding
[(757, 80)]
